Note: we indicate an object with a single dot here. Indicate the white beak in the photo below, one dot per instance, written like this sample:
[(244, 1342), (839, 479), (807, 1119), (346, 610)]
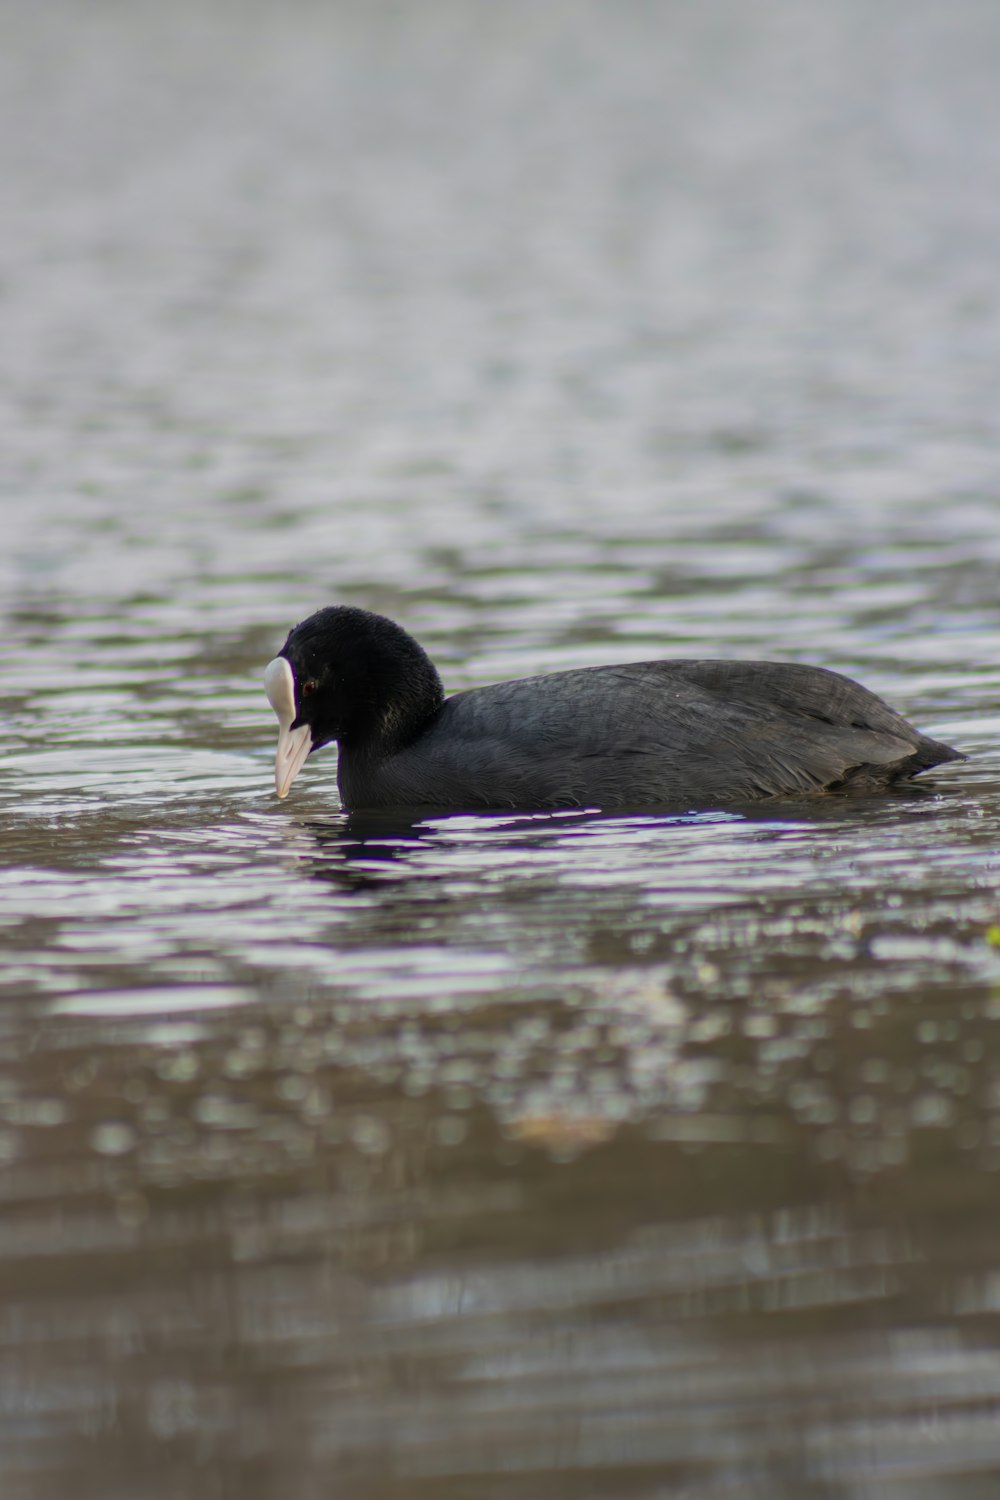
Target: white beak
[(293, 744)]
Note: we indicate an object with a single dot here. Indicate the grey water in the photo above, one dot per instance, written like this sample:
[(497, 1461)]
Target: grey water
[(463, 1157)]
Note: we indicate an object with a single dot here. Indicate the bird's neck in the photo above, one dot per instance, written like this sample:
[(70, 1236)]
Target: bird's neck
[(402, 698)]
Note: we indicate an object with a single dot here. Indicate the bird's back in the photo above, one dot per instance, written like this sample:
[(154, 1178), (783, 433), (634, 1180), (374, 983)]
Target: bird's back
[(678, 733)]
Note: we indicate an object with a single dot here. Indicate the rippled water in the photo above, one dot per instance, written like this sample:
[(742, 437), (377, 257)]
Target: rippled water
[(558, 1156)]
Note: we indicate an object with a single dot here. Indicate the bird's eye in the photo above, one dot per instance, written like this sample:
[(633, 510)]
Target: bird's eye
[(309, 687)]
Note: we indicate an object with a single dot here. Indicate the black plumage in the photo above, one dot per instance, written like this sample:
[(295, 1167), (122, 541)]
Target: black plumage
[(691, 734)]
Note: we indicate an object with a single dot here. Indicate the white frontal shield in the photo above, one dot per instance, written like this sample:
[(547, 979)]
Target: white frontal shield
[(293, 744)]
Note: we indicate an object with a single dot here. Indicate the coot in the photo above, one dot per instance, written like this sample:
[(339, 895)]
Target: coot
[(681, 734)]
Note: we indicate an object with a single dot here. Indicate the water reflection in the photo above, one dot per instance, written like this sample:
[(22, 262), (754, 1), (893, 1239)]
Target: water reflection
[(397, 838), (679, 1159), (381, 1276)]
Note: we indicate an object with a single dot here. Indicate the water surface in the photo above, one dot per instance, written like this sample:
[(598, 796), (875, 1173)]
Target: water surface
[(560, 1156)]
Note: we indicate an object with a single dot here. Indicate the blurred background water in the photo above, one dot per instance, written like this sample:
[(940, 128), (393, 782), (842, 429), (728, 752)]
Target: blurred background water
[(494, 1157)]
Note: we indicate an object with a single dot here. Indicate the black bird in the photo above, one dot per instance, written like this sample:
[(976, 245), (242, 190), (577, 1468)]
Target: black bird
[(679, 734)]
